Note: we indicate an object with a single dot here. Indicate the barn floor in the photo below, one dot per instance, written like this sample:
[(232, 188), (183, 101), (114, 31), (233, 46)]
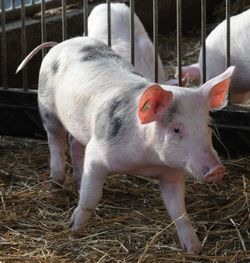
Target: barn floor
[(129, 225)]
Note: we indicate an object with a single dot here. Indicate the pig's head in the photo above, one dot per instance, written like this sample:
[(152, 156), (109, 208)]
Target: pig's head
[(177, 121)]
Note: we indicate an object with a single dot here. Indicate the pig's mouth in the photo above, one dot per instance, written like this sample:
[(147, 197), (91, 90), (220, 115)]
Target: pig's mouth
[(208, 174), (215, 174)]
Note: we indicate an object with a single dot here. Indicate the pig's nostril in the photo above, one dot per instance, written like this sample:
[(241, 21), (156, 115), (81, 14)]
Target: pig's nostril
[(206, 169), (215, 175)]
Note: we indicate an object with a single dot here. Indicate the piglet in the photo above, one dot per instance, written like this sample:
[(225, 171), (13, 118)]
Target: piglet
[(120, 40), (120, 122), (216, 57)]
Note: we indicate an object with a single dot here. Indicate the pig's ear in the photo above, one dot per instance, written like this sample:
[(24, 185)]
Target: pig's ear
[(153, 102), (217, 89)]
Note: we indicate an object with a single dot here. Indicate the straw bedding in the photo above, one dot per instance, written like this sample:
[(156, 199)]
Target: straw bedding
[(129, 225)]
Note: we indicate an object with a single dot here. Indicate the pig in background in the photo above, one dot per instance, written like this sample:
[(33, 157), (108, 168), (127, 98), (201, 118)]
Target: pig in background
[(216, 57), (120, 38), (120, 122)]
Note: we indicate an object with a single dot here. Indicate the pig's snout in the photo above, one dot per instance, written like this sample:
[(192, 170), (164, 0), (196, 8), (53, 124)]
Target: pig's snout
[(215, 174)]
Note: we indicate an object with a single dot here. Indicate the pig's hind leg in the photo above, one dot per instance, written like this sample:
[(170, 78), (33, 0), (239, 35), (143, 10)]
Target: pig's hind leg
[(57, 139), (77, 152)]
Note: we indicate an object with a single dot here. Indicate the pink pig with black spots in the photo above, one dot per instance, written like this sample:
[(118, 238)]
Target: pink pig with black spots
[(120, 122)]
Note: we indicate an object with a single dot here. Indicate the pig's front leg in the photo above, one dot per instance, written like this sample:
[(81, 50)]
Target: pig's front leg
[(172, 189), (91, 188)]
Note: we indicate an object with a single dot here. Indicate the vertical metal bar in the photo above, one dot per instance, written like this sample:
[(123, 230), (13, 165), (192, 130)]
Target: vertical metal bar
[(109, 22), (228, 14), (43, 25), (24, 45), (4, 47), (155, 38), (64, 20), (179, 40), (203, 40), (85, 17), (132, 31), (228, 39)]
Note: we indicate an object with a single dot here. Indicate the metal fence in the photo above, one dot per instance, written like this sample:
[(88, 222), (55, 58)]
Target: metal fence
[(22, 4), (85, 8), (14, 4)]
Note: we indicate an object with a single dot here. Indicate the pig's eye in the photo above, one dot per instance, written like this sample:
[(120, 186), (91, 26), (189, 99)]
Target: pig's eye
[(176, 130)]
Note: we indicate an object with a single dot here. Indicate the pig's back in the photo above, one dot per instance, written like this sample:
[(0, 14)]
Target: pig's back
[(120, 21), (240, 50), (85, 77)]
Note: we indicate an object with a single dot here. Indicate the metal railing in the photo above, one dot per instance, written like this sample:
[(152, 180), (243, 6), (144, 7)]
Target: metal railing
[(85, 6), (16, 4), (21, 99)]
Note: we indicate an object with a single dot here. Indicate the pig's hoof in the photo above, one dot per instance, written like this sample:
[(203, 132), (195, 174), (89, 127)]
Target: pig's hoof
[(78, 220), (192, 245), (57, 178)]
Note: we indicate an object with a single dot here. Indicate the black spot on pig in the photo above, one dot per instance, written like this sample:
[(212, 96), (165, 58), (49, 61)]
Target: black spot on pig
[(170, 114), (136, 73), (173, 110), (115, 116), (45, 114), (112, 120), (49, 119), (101, 52), (97, 52), (55, 66), (115, 126), (98, 48), (48, 116)]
